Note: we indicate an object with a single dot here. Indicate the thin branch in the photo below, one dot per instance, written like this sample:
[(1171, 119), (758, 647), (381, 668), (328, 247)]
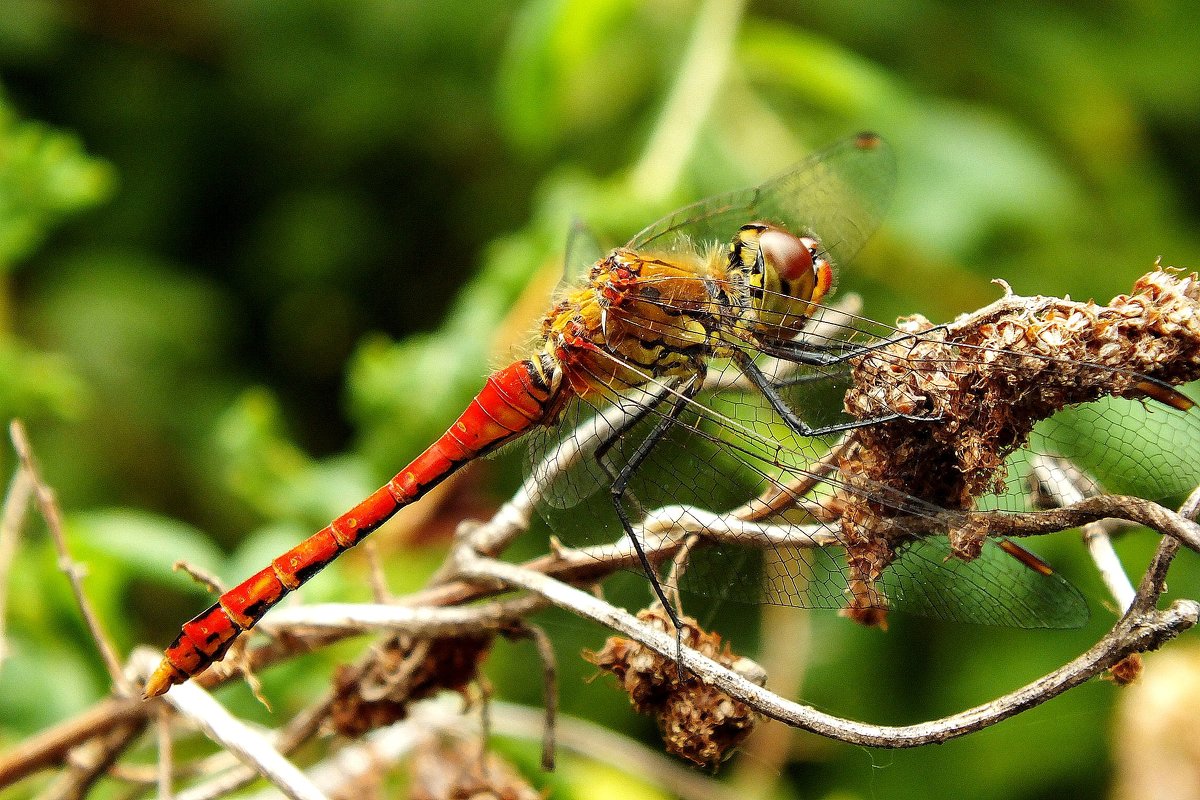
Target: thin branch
[(353, 618), (234, 735), (545, 649), (90, 762), (356, 619), (1154, 582), (379, 586), (50, 747), (441, 716), (74, 571), (1064, 484), (1133, 509), (16, 504), (164, 752), (1108, 564), (381, 748), (146, 776), (484, 690), (1136, 632), (211, 583), (299, 730)]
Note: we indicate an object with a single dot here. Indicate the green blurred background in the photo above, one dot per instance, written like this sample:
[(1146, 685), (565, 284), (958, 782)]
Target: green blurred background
[(256, 254)]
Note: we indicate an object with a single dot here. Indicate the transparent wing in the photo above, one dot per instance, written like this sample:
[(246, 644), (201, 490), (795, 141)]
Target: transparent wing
[(582, 252), (838, 194), (993, 589), (1132, 447), (732, 447)]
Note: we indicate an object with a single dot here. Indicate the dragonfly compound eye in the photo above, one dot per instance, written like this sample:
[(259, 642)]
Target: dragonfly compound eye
[(803, 273), (787, 254)]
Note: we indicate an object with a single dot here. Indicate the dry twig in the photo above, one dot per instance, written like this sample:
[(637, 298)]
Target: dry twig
[(16, 503), (1140, 630), (235, 736), (48, 506)]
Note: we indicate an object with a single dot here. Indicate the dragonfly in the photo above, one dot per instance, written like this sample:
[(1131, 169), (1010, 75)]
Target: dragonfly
[(716, 287)]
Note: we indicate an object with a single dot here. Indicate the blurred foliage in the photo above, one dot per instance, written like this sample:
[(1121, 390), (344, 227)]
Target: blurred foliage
[(257, 254)]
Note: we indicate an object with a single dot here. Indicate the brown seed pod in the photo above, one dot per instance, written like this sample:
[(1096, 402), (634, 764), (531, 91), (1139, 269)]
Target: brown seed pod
[(698, 722)]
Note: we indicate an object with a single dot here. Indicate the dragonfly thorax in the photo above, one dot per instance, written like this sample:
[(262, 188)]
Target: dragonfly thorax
[(639, 318), (786, 276)]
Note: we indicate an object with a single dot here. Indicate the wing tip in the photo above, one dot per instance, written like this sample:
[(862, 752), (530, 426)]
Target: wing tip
[(868, 140)]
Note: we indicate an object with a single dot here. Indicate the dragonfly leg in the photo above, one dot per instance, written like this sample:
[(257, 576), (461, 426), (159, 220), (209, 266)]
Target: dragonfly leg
[(620, 485), (817, 354), (630, 422), (771, 393)]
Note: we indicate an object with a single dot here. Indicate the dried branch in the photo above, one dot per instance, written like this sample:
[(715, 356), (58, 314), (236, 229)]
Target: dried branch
[(1062, 485), (545, 649), (235, 736), (589, 564), (1138, 631), (379, 586), (300, 729), (51, 747), (211, 583), (88, 763), (165, 770), (74, 571), (16, 503), (1091, 509), (375, 752), (358, 618), (385, 747)]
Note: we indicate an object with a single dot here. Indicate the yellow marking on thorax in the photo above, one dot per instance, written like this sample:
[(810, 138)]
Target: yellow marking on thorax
[(638, 318)]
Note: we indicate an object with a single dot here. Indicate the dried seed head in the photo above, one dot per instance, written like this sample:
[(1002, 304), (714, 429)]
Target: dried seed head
[(698, 722), (985, 381), (406, 670), (452, 771), (990, 376)]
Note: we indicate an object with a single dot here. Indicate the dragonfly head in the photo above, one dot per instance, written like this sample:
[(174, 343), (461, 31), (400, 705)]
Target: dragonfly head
[(787, 275)]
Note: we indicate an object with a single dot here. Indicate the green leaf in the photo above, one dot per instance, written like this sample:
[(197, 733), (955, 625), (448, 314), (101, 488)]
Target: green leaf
[(35, 384), (141, 544), (268, 471), (45, 175)]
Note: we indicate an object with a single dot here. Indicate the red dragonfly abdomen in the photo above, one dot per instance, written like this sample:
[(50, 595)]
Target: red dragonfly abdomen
[(513, 400)]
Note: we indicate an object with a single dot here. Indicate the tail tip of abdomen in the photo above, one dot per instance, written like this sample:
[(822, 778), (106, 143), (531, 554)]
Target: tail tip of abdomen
[(166, 676)]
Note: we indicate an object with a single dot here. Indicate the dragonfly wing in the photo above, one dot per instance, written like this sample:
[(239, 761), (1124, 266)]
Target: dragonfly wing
[(838, 194), (925, 580), (1139, 448), (565, 464), (730, 447), (993, 589), (582, 252), (697, 472)]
